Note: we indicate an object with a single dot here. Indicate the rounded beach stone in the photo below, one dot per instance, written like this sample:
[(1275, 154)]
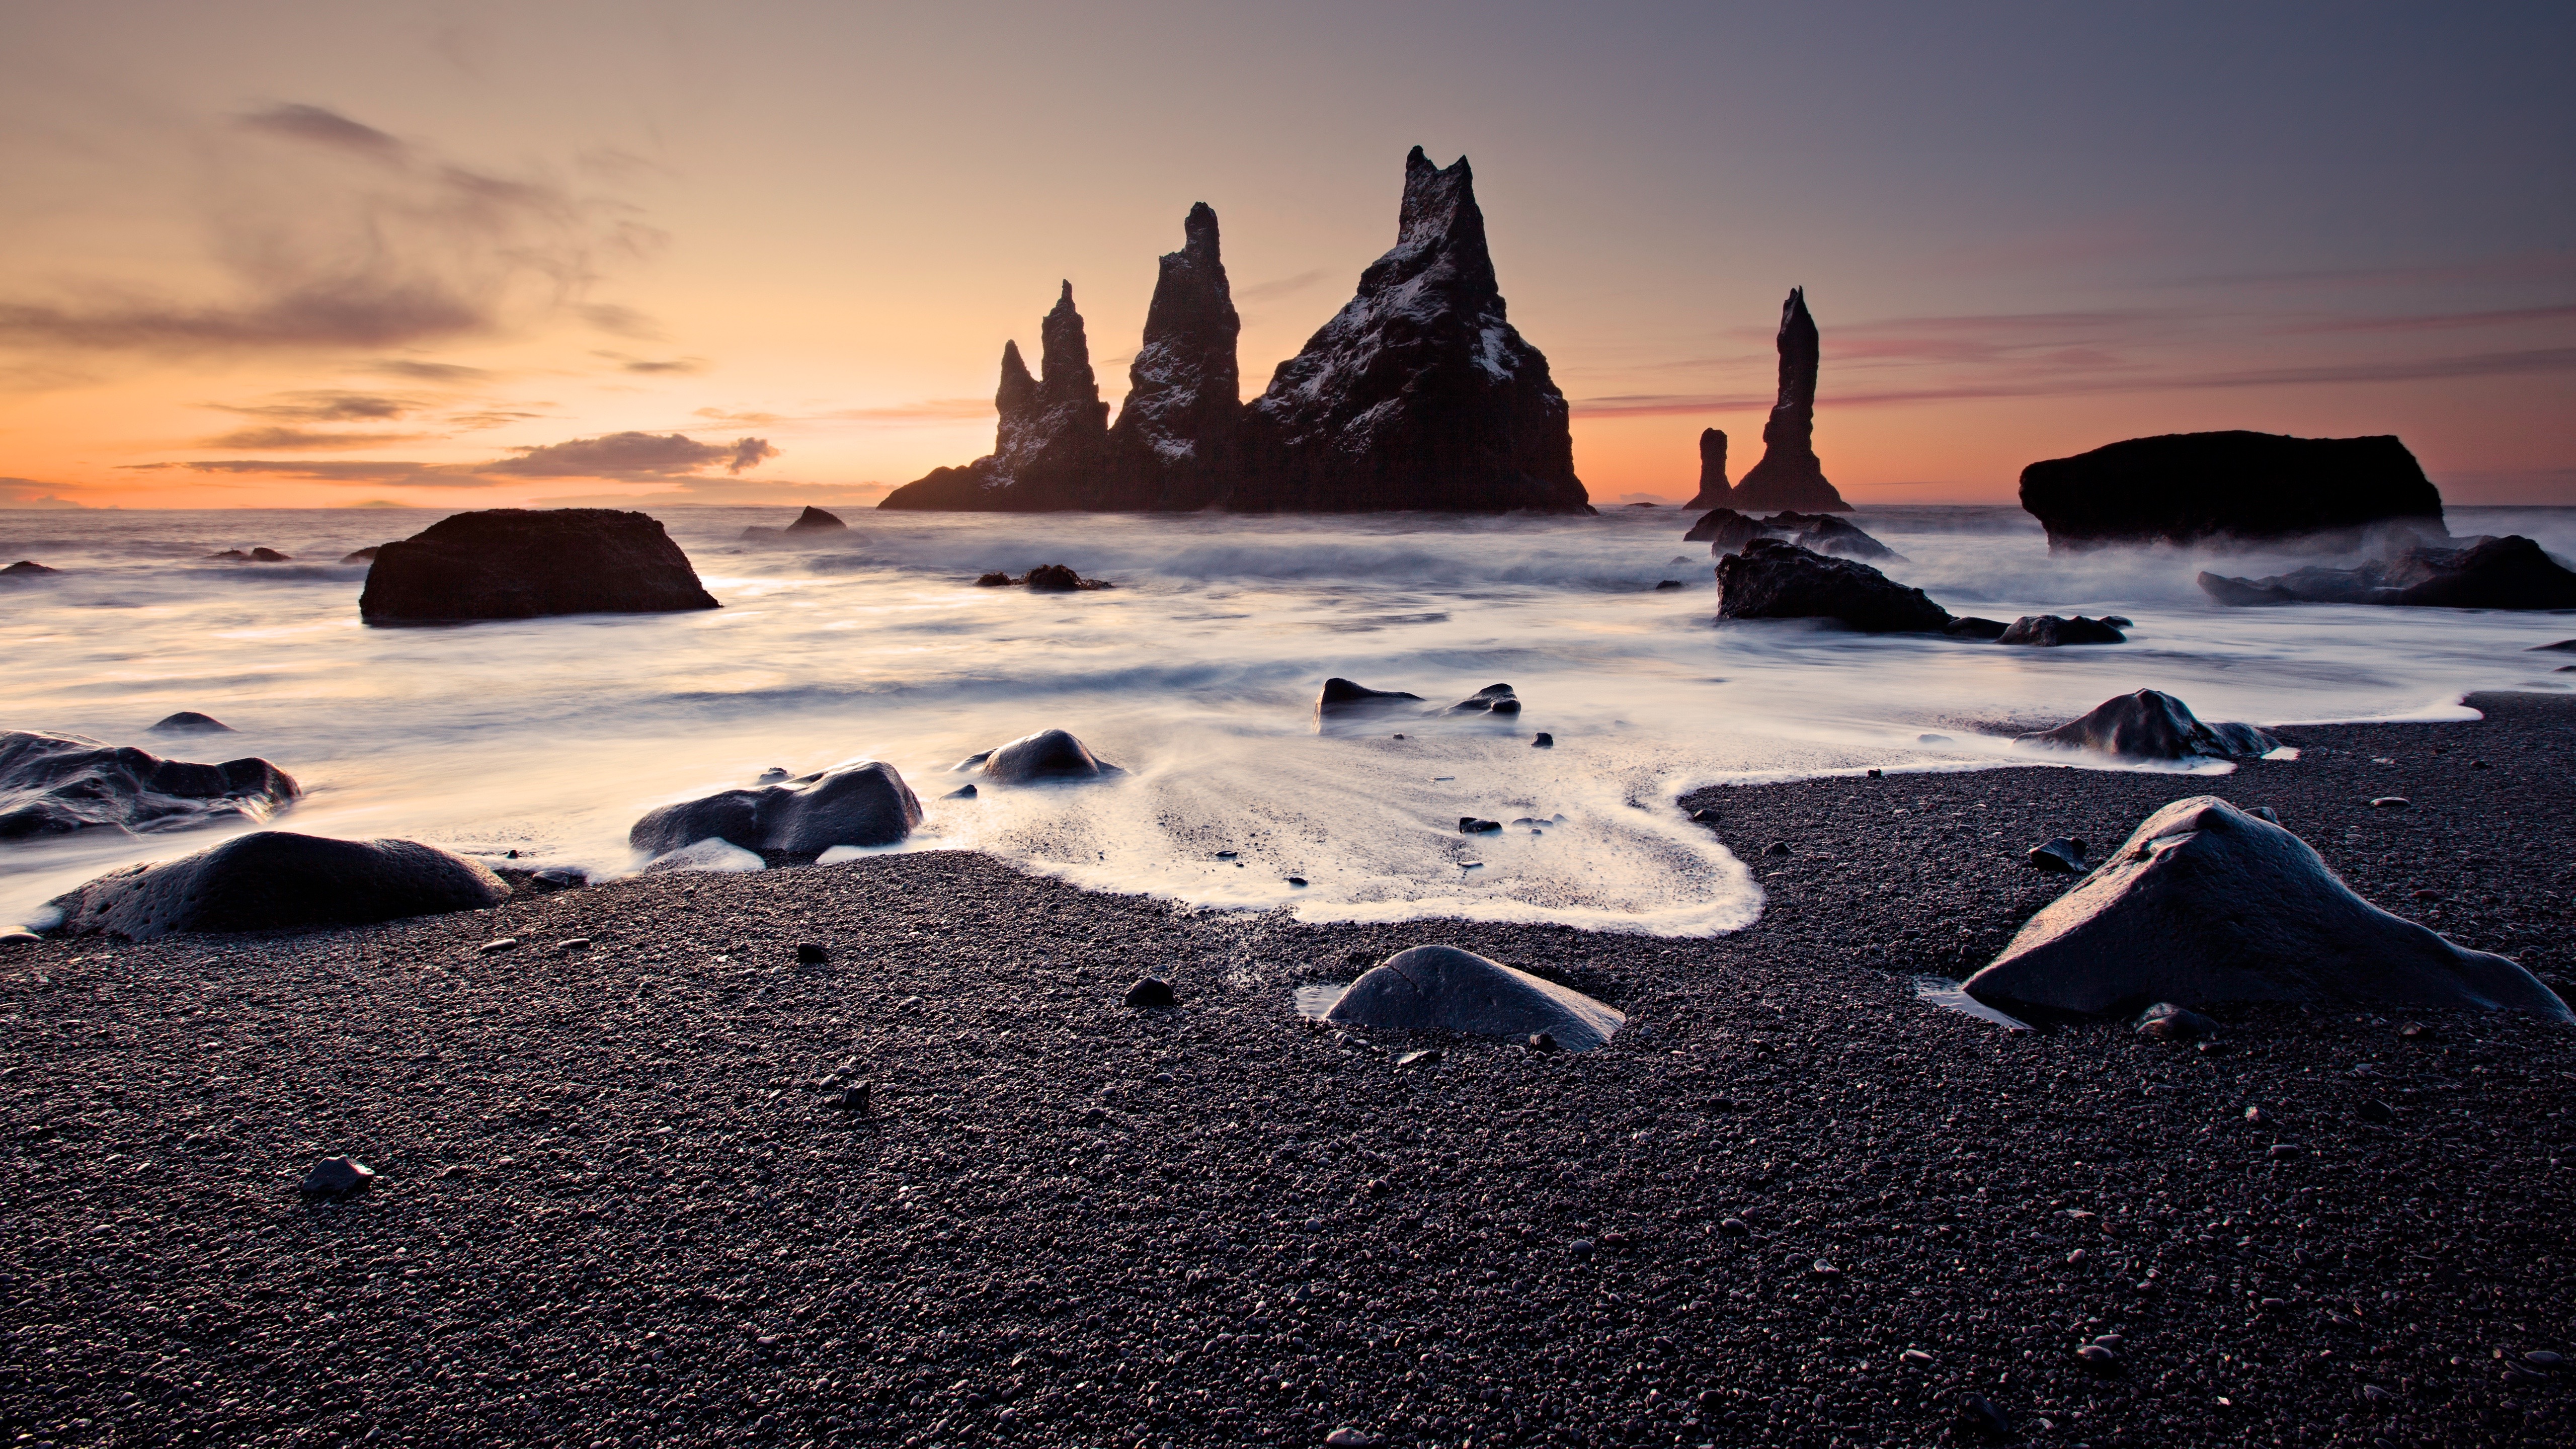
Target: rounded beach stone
[(1046, 755), (277, 880), (1441, 988)]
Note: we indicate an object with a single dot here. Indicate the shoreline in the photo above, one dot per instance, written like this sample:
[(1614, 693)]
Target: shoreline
[(616, 1207)]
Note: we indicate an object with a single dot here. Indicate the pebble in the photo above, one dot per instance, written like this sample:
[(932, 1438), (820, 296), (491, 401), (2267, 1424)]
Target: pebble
[(1540, 741), (1735, 1227), (1932, 739), (1296, 880), (2273, 1305), (2166, 1021), (852, 1098), (1542, 1042), (2376, 1111), (2280, 1150), (1225, 855), (2391, 802), (1704, 817), (1914, 1356), (2253, 1114), (2061, 856), (494, 948), (2097, 1356), (1777, 847), (338, 1177), (2542, 1358), (1347, 1437), (1978, 1414), (1580, 1247), (1470, 825), (1823, 1269), (812, 953), (1418, 1058), (1875, 774), (571, 944), (2415, 1031), (1152, 991), (19, 938)]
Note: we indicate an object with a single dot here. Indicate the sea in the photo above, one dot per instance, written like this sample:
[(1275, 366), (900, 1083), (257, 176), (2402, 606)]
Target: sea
[(1196, 673)]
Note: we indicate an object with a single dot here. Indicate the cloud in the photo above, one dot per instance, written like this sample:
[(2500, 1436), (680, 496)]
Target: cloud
[(326, 405), (409, 250), (448, 372), (632, 456), (29, 493), (928, 410), (282, 437), (734, 492), (619, 321), (684, 366), (417, 475), (1283, 287)]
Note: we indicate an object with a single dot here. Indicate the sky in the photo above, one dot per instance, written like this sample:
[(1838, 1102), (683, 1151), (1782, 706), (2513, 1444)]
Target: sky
[(473, 255)]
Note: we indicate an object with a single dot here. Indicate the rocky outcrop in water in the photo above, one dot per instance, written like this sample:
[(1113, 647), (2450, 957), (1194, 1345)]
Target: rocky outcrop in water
[(1419, 393), (1047, 756), (2049, 631), (1441, 988), (2206, 903), (54, 784), (275, 880), (2153, 725), (812, 521), (2489, 573), (522, 563), (2185, 488), (190, 722), (1343, 699), (1726, 531), (1775, 579), (27, 568), (861, 804), (1713, 492), (1789, 475), (1051, 445), (1178, 436)]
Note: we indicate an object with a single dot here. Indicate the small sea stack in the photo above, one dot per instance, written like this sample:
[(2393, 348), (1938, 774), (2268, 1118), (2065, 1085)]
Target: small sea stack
[(1789, 475)]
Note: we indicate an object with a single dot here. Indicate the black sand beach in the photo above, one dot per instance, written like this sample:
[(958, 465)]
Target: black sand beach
[(619, 1206)]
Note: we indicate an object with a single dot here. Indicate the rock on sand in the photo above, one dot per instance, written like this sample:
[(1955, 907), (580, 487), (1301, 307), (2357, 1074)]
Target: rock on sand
[(1441, 988), (862, 804), (276, 880), (2153, 725), (1044, 756), (2207, 903)]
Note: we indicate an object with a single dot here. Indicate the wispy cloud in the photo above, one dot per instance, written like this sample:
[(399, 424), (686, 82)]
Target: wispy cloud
[(30, 493), (443, 372), (928, 410), (734, 492), (633, 455), (326, 405), (255, 439)]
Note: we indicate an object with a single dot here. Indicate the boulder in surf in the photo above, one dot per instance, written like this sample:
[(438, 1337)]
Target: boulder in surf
[(525, 563), (2048, 631), (276, 880), (54, 784), (1442, 988), (1774, 579), (861, 804), (1048, 755), (1345, 698), (2207, 903), (27, 568), (2153, 725), (2512, 572)]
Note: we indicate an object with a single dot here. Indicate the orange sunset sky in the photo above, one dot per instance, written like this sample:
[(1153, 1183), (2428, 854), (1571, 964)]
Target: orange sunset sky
[(442, 255)]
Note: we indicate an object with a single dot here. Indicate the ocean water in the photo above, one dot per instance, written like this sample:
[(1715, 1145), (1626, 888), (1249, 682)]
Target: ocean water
[(1197, 673)]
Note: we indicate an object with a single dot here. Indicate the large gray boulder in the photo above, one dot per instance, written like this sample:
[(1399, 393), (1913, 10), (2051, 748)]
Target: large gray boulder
[(2183, 488), (861, 804), (2206, 903), (1441, 988), (2153, 725), (1048, 755), (525, 563), (276, 880), (54, 784), (1774, 579)]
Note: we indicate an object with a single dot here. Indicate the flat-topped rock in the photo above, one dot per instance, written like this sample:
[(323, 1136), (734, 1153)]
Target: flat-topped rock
[(2153, 725), (866, 803), (2184, 488), (1773, 579), (522, 563), (2206, 903), (1345, 698), (1441, 988), (276, 880), (52, 784)]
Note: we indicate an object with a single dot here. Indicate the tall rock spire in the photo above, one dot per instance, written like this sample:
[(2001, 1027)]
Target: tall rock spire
[(1419, 393), (1789, 476), (1176, 436), (1051, 443), (1713, 492)]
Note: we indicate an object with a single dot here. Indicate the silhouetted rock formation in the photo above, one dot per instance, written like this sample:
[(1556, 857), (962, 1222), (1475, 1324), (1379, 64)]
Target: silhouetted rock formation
[(2153, 725), (521, 563), (1178, 435), (364, 555), (1345, 698), (274, 880), (815, 520), (1726, 531), (2188, 487), (1789, 476), (1045, 756), (1775, 579), (190, 722), (1051, 446), (1713, 492), (56, 784), (862, 804), (2491, 573), (1418, 394), (2048, 631), (27, 568), (2207, 903)]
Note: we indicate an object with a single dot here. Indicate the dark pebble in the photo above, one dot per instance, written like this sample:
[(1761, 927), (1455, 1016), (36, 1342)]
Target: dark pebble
[(1470, 825), (812, 953), (1542, 1042), (2166, 1021), (1978, 1415), (494, 948), (2391, 802), (962, 792), (338, 1177), (2376, 1111), (1540, 741), (1735, 1227), (1296, 880), (1150, 992)]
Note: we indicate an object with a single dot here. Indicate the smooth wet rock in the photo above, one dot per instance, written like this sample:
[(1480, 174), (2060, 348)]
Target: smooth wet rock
[(58, 784), (1726, 531), (27, 568), (2048, 631), (2167, 1021), (1972, 627), (1151, 992), (710, 855), (813, 953), (962, 792), (2491, 573), (2061, 856), (1059, 579), (1441, 988), (1542, 741), (189, 722), (276, 880), (2153, 725), (2183, 488), (1344, 698), (861, 804), (1789, 475), (1492, 699), (2207, 903), (2391, 802), (815, 520), (1470, 825), (1048, 755), (1775, 580), (338, 1177), (520, 563)]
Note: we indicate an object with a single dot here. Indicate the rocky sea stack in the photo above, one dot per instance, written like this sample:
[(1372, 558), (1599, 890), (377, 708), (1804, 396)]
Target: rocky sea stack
[(2184, 488), (1713, 492), (1789, 477), (1419, 394)]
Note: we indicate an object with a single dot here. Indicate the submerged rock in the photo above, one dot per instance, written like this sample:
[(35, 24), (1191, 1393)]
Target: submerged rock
[(189, 722), (1727, 531), (815, 520), (2153, 725), (1059, 579), (1441, 988), (1045, 756), (2491, 573), (1789, 475), (2207, 903), (275, 880), (713, 856), (2183, 488), (1419, 393), (57, 784), (256, 555), (26, 568), (1976, 628), (521, 563), (1492, 699), (1771, 579), (2048, 631), (861, 804), (1342, 698)]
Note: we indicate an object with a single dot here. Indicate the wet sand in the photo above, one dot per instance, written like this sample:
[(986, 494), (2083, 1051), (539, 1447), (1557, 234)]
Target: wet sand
[(620, 1205)]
